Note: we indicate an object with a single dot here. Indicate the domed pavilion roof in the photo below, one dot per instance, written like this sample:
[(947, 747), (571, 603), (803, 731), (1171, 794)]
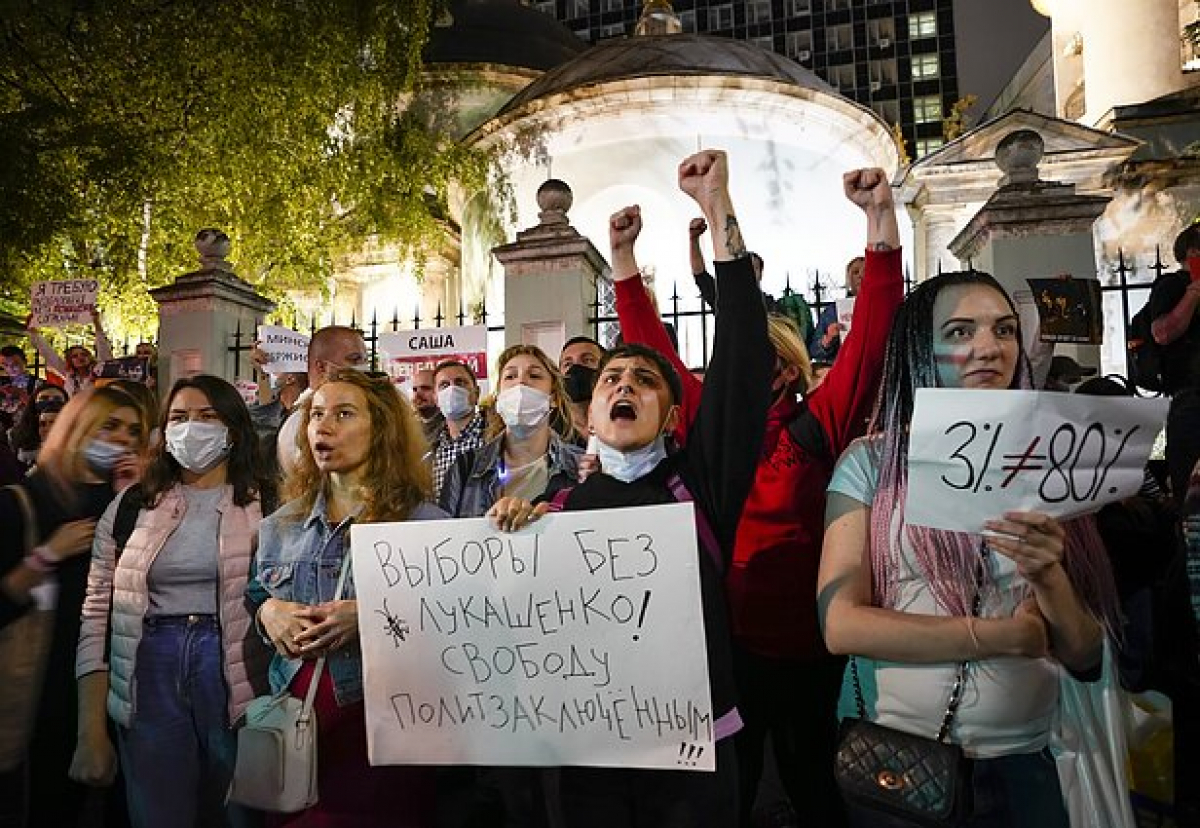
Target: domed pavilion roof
[(674, 55), (501, 32)]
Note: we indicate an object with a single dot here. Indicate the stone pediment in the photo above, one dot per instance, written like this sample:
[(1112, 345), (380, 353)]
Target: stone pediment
[(965, 169)]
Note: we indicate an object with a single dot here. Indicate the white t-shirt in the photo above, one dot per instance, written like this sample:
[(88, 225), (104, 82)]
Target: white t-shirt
[(1008, 704)]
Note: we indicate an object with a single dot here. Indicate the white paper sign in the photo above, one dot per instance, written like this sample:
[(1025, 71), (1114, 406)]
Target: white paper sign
[(65, 302), (576, 641), (974, 455), (418, 350), (845, 314), (287, 350)]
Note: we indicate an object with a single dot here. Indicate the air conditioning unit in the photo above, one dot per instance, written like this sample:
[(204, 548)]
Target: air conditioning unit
[(803, 54), (885, 42), (876, 86)]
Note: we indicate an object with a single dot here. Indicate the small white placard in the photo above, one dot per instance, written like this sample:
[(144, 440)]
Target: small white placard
[(65, 302), (974, 455), (286, 350)]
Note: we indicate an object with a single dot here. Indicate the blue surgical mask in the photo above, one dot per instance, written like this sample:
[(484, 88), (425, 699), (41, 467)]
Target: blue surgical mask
[(102, 455), (628, 466)]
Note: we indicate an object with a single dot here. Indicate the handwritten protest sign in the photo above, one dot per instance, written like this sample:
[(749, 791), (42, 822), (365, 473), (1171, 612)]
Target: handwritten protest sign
[(286, 350), (419, 350), (845, 314), (975, 454), (54, 304), (577, 641)]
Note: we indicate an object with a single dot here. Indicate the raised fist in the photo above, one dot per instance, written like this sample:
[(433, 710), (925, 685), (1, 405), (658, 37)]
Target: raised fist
[(624, 227), (869, 189)]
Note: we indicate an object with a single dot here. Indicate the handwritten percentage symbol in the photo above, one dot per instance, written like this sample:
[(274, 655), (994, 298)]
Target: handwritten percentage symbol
[(394, 625), (1022, 462)]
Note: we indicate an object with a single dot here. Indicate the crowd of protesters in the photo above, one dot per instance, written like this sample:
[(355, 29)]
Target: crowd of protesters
[(219, 533)]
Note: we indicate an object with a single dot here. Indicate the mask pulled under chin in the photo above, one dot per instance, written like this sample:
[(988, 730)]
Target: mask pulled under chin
[(628, 466)]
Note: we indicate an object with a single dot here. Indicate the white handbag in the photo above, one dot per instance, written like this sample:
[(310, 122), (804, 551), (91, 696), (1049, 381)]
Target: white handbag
[(276, 768)]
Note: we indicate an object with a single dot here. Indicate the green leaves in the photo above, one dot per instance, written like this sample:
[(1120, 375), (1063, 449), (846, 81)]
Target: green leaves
[(127, 125)]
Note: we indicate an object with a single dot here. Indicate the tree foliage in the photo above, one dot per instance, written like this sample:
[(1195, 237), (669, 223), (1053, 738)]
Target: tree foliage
[(127, 125)]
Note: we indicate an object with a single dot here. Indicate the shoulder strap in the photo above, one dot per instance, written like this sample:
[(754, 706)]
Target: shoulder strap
[(809, 435), (704, 532), (25, 504), (125, 521), (311, 695)]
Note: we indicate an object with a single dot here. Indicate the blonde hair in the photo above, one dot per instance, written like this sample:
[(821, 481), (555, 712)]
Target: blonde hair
[(789, 347), (396, 479), (560, 403), (61, 458)]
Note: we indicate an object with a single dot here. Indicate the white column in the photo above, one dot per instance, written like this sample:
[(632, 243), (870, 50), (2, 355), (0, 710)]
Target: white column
[(1131, 53)]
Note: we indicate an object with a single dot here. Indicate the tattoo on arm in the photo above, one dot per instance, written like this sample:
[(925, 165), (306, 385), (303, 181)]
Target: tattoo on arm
[(734, 246)]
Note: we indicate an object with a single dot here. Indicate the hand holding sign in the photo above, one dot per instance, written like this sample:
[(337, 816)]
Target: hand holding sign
[(974, 455), (578, 641), (281, 350)]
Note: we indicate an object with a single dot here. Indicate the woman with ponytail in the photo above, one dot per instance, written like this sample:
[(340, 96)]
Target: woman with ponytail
[(913, 603)]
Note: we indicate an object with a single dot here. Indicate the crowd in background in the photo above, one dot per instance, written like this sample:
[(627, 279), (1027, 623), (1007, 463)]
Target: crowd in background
[(188, 551)]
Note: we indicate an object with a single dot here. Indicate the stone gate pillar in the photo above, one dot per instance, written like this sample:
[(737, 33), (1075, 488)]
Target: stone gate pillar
[(550, 275), (1031, 228), (200, 312)]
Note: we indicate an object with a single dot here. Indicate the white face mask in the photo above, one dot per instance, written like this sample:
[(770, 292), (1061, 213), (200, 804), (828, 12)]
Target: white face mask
[(628, 466), (198, 446), (523, 409), (454, 401), (102, 455)]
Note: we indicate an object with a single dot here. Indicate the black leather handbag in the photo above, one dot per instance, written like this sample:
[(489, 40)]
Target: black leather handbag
[(922, 780)]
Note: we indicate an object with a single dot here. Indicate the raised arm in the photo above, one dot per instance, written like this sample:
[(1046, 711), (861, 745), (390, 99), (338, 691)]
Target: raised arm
[(637, 315), (104, 349), (843, 401), (52, 358), (706, 284), (726, 438)]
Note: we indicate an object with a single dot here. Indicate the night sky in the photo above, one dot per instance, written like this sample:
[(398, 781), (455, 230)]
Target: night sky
[(994, 37)]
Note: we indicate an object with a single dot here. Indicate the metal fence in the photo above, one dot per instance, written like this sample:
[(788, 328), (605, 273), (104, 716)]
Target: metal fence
[(687, 314)]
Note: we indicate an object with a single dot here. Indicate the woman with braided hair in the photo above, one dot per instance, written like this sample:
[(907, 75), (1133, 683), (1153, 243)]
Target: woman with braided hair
[(913, 603)]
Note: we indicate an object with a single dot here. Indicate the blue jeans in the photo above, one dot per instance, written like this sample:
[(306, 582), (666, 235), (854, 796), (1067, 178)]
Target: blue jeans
[(179, 750), (1019, 791)]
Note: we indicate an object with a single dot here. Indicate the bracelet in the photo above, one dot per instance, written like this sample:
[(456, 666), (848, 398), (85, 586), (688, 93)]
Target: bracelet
[(974, 636), (38, 561)]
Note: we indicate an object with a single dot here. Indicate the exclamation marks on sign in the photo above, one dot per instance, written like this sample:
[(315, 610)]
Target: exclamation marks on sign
[(689, 755), (642, 614)]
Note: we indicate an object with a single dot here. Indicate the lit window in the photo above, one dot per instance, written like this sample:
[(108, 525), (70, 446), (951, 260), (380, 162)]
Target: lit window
[(580, 8), (800, 6), (720, 17), (928, 145), (924, 67), (615, 30), (758, 11), (927, 109), (922, 24), (842, 77)]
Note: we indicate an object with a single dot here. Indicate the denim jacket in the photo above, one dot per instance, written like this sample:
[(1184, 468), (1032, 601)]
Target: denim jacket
[(300, 559), (472, 484)]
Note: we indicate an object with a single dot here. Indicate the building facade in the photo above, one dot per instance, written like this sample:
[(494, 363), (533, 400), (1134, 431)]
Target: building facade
[(895, 56)]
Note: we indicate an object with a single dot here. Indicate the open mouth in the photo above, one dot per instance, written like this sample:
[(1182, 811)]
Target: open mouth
[(322, 447), (622, 410)]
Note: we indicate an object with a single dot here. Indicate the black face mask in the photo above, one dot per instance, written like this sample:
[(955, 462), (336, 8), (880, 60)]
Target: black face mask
[(579, 380)]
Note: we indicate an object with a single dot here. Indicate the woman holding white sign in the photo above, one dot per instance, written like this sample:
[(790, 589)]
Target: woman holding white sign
[(361, 460), (958, 636)]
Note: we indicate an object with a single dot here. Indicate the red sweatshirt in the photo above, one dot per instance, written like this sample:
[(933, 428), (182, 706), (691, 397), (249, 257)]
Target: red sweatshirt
[(772, 584)]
